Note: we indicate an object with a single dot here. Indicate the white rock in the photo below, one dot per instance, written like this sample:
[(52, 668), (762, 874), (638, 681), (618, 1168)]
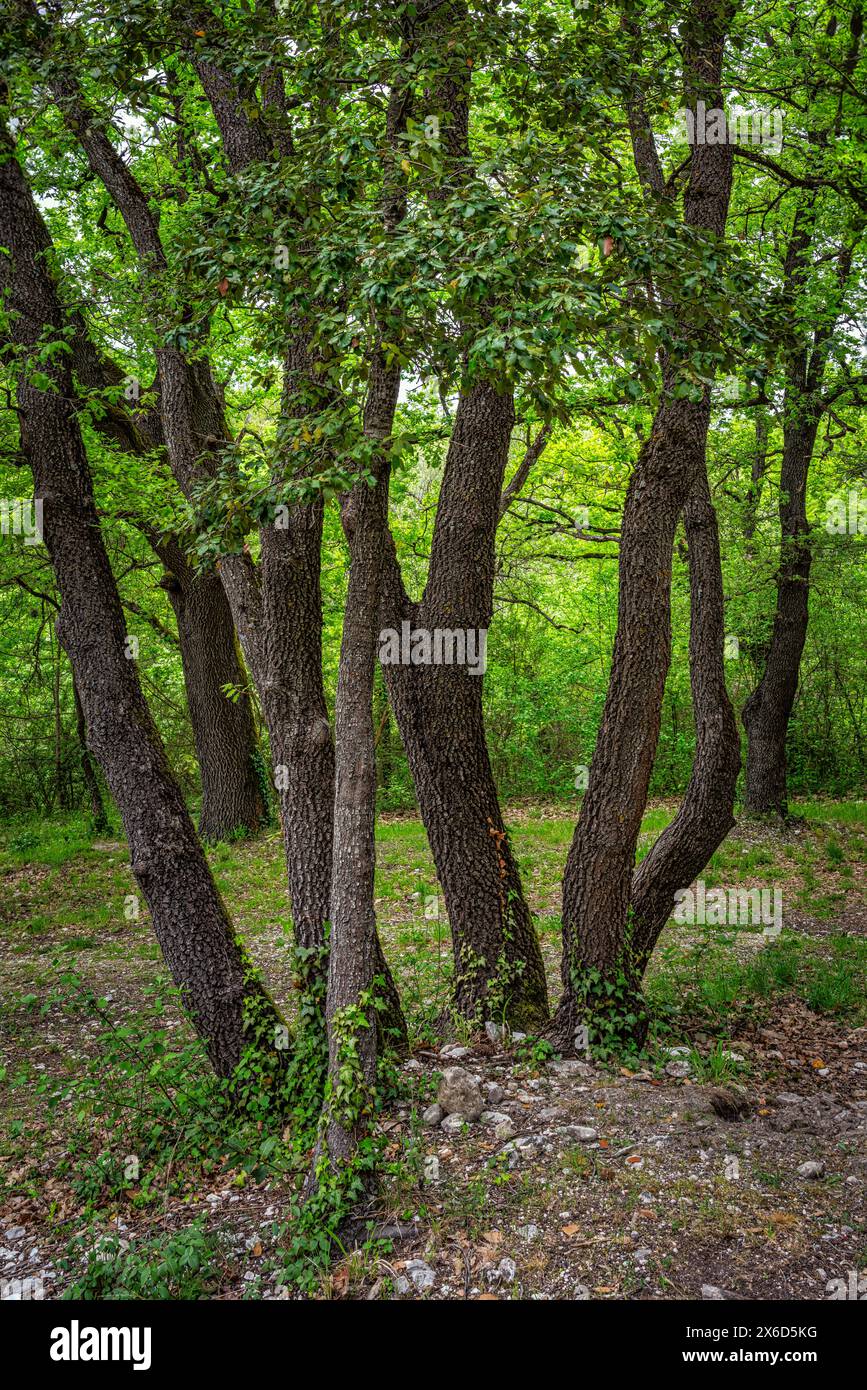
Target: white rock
[(460, 1093), (504, 1272), (582, 1134), (421, 1274), (678, 1069), (493, 1118), (453, 1124), (811, 1169), (432, 1116)]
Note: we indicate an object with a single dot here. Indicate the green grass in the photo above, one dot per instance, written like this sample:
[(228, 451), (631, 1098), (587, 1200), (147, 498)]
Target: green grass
[(827, 974)]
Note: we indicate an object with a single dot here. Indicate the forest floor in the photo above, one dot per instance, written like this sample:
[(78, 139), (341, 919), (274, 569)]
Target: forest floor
[(619, 1181)]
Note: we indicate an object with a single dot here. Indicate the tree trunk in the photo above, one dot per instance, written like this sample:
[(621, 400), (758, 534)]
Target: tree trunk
[(600, 989), (767, 711), (352, 959), (223, 729), (499, 970), (225, 998), (91, 782), (706, 812)]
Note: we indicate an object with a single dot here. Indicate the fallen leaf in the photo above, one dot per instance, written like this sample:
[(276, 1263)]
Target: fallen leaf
[(783, 1218), (571, 1230)]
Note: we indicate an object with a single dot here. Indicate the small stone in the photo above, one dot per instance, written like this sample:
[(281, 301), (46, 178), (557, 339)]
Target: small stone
[(504, 1272), (711, 1293), (432, 1116), (432, 1168), (455, 1051), (494, 1093), (505, 1130), (494, 1031), (570, 1066), (531, 1232), (811, 1170), (582, 1134), (516, 1149), (519, 1037), (453, 1124), (14, 1233), (678, 1069), (401, 1284), (582, 1293), (460, 1093), (421, 1274), (493, 1118)]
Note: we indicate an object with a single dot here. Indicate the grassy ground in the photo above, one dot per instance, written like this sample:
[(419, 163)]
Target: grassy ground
[(646, 1209)]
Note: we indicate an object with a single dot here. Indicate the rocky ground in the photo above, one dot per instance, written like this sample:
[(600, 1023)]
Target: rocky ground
[(568, 1181), (730, 1162)]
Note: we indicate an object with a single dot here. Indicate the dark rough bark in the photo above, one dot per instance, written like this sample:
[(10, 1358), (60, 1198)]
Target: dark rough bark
[(190, 920), (91, 781), (767, 712), (598, 977), (223, 729), (352, 960), (757, 473), (498, 963), (438, 709), (705, 814)]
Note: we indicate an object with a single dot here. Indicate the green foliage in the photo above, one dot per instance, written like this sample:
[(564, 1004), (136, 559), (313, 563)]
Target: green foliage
[(177, 1265)]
